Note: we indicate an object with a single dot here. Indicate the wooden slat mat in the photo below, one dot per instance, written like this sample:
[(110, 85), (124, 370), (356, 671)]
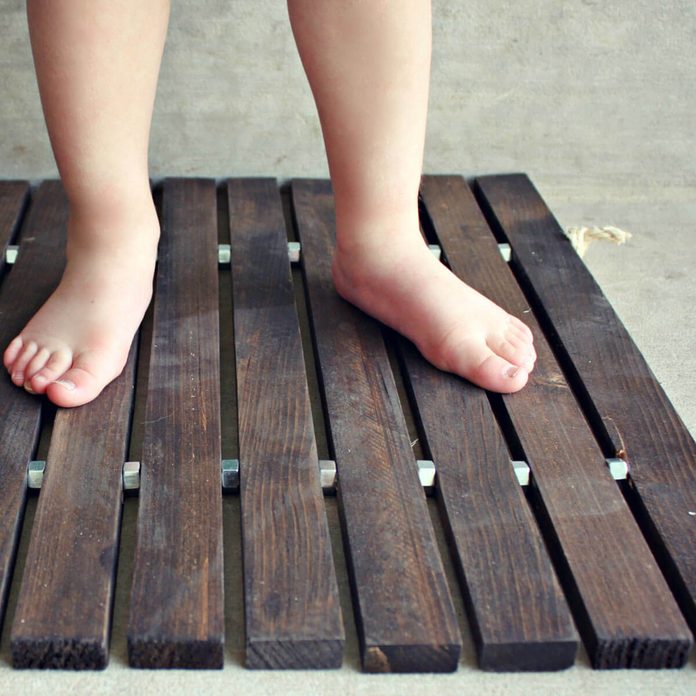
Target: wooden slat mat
[(522, 603)]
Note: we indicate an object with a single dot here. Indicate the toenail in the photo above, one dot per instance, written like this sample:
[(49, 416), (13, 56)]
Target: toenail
[(65, 383), (27, 387), (17, 378), (512, 371), (39, 379)]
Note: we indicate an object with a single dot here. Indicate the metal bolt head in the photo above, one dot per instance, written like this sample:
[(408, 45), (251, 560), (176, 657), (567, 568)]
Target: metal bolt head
[(618, 468), (35, 473), (131, 476), (229, 472), (426, 473), (294, 251), (327, 471), (522, 472), (224, 253), (11, 254)]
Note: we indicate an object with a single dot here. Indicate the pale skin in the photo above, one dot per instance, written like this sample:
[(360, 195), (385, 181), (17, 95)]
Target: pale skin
[(368, 65)]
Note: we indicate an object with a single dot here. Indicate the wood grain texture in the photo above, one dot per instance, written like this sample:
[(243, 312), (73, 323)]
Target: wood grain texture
[(404, 612), (624, 400), (622, 604), (24, 289), (292, 608), (517, 612), (14, 197), (176, 611), (63, 614)]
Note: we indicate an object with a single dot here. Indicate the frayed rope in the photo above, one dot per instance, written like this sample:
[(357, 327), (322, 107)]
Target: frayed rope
[(582, 237)]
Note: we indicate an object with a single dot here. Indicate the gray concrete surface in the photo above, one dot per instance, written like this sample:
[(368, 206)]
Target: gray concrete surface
[(593, 100), (585, 93)]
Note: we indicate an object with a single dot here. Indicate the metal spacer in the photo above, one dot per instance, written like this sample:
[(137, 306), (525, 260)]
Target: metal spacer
[(294, 250), (229, 474), (224, 254), (505, 251), (426, 473), (131, 476), (35, 473), (11, 253), (618, 468), (522, 471), (327, 475)]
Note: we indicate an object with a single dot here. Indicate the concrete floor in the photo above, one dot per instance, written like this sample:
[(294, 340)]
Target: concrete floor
[(651, 284)]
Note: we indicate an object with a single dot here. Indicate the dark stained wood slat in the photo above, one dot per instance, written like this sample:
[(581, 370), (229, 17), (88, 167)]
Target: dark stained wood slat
[(63, 614), (14, 196), (404, 612), (292, 608), (516, 608), (176, 611), (623, 607), (626, 402), (32, 279)]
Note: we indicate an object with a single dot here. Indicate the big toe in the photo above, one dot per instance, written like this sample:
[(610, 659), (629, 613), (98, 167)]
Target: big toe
[(82, 383), (497, 374), (475, 361)]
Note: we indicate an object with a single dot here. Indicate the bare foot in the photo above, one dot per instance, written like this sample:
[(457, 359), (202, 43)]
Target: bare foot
[(79, 340), (456, 328)]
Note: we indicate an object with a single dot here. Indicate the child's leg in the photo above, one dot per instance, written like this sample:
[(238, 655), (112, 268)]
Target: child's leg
[(97, 64), (368, 65)]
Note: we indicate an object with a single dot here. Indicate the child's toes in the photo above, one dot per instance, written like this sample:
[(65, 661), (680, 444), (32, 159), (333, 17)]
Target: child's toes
[(56, 365), (23, 359), (36, 363), (512, 348), (12, 351), (526, 331)]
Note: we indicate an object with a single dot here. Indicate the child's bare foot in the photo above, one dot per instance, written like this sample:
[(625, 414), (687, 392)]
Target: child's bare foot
[(456, 328), (79, 340)]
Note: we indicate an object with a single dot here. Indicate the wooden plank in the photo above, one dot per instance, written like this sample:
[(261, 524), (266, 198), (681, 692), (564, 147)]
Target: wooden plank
[(14, 197), (176, 611), (33, 278), (625, 402), (292, 608), (622, 604), (63, 614), (517, 612), (404, 612)]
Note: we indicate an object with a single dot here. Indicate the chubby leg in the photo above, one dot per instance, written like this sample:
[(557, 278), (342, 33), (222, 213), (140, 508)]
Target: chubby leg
[(368, 64), (97, 63)]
